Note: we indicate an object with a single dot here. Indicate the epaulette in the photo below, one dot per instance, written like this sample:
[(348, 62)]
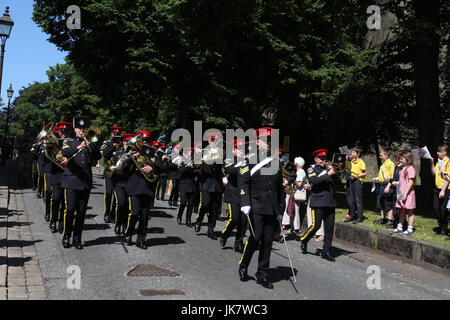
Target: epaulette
[(310, 169)]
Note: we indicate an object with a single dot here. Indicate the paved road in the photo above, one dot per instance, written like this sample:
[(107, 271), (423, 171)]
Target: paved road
[(208, 271)]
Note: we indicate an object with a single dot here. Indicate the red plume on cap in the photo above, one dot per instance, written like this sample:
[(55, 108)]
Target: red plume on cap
[(264, 132), (320, 153)]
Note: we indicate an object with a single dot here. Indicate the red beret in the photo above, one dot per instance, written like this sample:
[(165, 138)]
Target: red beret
[(145, 134), (264, 132), (116, 129), (64, 125), (320, 153), (163, 145), (156, 143), (213, 135), (127, 136), (198, 144), (188, 150)]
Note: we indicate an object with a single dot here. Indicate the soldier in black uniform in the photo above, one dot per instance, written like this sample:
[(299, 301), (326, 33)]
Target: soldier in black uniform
[(77, 180), (187, 186), (263, 201), (41, 162), (34, 165), (197, 149), (210, 188), (323, 179), (107, 149), (120, 179), (232, 198), (174, 176), (140, 193), (56, 174), (47, 166), (164, 173)]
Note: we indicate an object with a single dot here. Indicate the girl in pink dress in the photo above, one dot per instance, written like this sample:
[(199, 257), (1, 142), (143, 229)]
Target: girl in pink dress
[(406, 197)]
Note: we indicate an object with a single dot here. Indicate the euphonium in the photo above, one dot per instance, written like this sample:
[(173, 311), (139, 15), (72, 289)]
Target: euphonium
[(143, 158), (52, 149)]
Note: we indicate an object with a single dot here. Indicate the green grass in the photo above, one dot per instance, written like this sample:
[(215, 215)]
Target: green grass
[(423, 226), (424, 223)]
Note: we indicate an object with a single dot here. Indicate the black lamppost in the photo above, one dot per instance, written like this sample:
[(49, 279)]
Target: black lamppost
[(6, 25), (10, 93)]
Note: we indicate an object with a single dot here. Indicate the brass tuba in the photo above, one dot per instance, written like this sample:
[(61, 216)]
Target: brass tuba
[(144, 157), (52, 149), (91, 133)]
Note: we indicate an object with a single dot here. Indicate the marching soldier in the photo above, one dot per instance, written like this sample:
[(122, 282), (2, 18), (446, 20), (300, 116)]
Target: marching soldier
[(77, 180), (107, 149), (232, 198), (187, 186), (120, 178), (174, 176), (323, 179), (197, 149), (23, 144), (263, 202), (56, 175), (164, 174), (35, 149), (210, 190), (140, 192), (41, 162)]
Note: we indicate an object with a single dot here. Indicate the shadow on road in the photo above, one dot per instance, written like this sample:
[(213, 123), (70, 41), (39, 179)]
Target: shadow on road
[(96, 226), (155, 230), (103, 240), (163, 241), (160, 214), (18, 243), (281, 273)]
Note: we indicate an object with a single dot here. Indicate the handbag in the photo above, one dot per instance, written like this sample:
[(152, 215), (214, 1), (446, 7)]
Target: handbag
[(300, 195)]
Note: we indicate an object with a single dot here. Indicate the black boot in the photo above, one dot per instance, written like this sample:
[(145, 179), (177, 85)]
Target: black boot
[(179, 220), (243, 275), (106, 219), (66, 242), (117, 229), (77, 243), (211, 235), (223, 242), (303, 247), (53, 227), (197, 227), (189, 224), (128, 240)]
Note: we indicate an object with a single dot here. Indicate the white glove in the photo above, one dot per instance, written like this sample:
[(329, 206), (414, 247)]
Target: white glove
[(246, 210)]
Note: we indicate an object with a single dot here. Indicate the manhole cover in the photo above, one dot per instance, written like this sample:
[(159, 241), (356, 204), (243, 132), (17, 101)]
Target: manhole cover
[(149, 293), (146, 270)]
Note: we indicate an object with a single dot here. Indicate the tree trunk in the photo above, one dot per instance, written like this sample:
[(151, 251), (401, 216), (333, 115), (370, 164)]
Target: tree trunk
[(426, 85)]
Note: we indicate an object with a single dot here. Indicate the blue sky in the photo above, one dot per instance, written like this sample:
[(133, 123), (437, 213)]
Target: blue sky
[(28, 53)]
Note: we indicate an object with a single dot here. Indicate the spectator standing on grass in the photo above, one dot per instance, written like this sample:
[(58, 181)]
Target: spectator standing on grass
[(355, 186), (406, 199), (442, 189), (394, 182), (385, 194)]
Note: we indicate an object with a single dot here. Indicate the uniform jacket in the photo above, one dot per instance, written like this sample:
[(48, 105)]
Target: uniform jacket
[(78, 174), (210, 179), (232, 191), (322, 187), (263, 193), (187, 178), (137, 184)]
